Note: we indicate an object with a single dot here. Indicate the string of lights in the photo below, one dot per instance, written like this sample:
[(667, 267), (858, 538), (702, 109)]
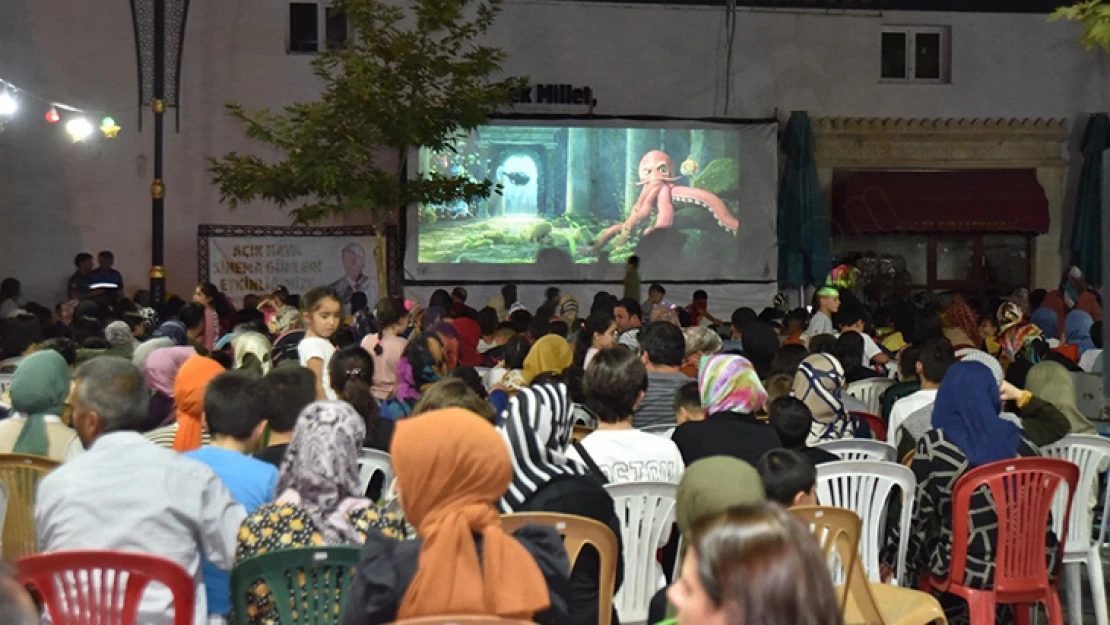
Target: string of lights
[(77, 120)]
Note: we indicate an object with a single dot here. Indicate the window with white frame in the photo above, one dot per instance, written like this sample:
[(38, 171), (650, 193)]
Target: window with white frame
[(916, 54), (311, 23)]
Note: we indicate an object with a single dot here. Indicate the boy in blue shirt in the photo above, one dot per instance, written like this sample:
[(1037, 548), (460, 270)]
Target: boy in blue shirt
[(232, 412)]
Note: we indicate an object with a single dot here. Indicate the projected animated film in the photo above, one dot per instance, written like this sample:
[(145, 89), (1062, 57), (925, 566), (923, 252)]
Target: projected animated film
[(591, 192)]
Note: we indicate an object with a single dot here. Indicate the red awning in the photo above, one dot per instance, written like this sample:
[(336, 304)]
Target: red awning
[(873, 202)]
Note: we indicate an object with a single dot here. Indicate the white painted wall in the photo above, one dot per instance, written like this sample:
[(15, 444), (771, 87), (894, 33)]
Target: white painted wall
[(58, 199)]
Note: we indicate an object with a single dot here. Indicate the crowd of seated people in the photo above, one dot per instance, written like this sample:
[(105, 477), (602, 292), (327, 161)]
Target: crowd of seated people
[(251, 423)]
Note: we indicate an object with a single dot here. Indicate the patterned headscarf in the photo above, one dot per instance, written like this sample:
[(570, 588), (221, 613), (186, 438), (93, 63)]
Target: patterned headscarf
[(665, 313), (959, 315), (819, 383), (175, 331), (1072, 285), (729, 383), (452, 467), (320, 471), (1048, 321), (1019, 339), (781, 302), (537, 427), (286, 319), (118, 333), (843, 276), (1009, 315), (1077, 330)]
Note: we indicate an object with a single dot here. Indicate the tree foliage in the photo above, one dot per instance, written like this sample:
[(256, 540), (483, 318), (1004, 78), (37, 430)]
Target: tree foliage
[(1095, 17), (412, 75)]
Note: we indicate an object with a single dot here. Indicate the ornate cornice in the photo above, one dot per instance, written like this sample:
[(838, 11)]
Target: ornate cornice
[(939, 125)]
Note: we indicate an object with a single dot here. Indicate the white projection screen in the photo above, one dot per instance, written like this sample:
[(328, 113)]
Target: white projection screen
[(694, 200)]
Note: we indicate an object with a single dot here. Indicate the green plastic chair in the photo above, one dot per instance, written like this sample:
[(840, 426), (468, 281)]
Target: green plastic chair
[(327, 573)]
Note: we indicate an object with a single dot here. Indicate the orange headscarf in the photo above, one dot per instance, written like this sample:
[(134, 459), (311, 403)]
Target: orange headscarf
[(452, 466), (188, 396)]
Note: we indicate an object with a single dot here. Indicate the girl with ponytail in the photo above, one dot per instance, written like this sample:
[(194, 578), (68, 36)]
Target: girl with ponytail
[(352, 373), (387, 347)]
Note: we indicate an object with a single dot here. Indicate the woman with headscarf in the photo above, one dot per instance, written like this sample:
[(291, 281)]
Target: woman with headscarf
[(700, 341), (469, 335), (160, 372), (174, 330), (1046, 321), (252, 352), (452, 467), (702, 494), (819, 383), (966, 433), (1073, 294), (121, 341), (537, 429), (146, 348), (188, 397), (38, 394), (731, 394), (287, 328), (423, 364), (1077, 331), (1051, 382), (319, 502), (550, 354)]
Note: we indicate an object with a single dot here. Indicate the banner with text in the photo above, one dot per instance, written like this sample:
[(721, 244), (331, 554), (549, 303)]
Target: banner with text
[(260, 263)]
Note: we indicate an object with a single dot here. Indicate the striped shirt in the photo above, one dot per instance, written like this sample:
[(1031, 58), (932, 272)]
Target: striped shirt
[(657, 408), (163, 436)]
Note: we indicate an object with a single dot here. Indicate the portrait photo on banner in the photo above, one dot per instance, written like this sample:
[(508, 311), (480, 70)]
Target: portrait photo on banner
[(243, 260)]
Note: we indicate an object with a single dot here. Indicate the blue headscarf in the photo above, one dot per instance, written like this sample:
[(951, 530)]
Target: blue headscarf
[(175, 331), (967, 411), (1077, 329), (1047, 321)]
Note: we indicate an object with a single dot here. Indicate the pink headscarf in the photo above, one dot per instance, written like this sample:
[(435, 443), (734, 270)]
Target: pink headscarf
[(162, 366)]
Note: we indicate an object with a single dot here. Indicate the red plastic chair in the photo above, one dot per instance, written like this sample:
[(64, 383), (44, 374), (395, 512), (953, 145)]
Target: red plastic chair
[(119, 579), (1023, 490), (878, 428)]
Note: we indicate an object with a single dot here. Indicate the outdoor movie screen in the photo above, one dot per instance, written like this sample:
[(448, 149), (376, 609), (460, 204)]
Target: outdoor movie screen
[(695, 201)]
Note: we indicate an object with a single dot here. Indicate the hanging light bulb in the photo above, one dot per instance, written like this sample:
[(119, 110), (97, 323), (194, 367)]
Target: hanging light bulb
[(8, 105), (52, 115), (79, 129)]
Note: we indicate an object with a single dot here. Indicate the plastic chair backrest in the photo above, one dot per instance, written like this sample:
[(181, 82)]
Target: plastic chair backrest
[(82, 587), (838, 531), (308, 584), (646, 512), (577, 532), (3, 509), (866, 488), (462, 618), (870, 392), (1022, 490), (372, 462), (21, 473), (859, 449), (662, 430), (1088, 452)]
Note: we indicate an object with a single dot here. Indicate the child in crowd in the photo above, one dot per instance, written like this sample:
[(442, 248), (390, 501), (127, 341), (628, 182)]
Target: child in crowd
[(828, 303), (386, 349), (699, 308), (791, 419), (852, 319), (286, 391), (788, 477), (453, 393), (794, 327), (233, 411), (322, 310), (687, 404)]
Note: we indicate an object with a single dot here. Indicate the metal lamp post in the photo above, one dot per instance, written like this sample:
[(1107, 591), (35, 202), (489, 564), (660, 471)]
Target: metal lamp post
[(159, 39)]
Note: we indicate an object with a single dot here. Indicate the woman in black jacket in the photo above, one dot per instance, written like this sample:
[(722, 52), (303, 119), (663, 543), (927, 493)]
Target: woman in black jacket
[(538, 427), (451, 467)]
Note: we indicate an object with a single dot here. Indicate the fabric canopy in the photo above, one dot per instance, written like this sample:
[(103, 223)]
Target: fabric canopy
[(803, 222), (1086, 234), (875, 202)]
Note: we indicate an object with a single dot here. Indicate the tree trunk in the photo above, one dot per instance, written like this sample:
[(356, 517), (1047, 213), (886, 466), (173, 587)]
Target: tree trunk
[(580, 172)]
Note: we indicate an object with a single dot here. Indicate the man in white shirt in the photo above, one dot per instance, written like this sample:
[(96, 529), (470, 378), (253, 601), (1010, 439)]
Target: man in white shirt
[(127, 494), (629, 317), (933, 362), (828, 302), (851, 319), (614, 385)]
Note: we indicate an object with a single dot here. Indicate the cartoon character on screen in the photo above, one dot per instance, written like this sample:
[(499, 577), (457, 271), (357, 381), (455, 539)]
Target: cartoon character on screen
[(657, 177)]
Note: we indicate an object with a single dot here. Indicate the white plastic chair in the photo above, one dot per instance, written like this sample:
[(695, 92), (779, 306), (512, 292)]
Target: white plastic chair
[(860, 449), (662, 430), (866, 488), (1088, 452), (371, 462), (870, 392), (646, 513)]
